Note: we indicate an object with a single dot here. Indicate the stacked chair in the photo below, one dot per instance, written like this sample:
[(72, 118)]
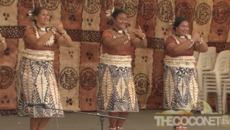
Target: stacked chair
[(205, 62), (214, 80), (226, 90)]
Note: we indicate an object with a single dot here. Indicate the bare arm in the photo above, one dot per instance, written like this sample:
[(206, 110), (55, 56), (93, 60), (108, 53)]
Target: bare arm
[(2, 43), (140, 39), (201, 46), (65, 40), (111, 42), (139, 42), (38, 43), (2, 46), (178, 48)]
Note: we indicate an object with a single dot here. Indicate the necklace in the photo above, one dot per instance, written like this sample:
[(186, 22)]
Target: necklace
[(42, 29), (180, 36), (50, 42), (119, 31)]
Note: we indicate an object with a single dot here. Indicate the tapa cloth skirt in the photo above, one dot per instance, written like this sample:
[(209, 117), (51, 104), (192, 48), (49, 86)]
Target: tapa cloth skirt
[(181, 89), (116, 92), (37, 84)]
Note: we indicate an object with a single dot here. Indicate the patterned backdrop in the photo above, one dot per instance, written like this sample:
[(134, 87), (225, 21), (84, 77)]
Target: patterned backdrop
[(84, 21)]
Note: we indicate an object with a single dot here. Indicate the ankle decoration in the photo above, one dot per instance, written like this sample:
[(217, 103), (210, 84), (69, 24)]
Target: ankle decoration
[(112, 128)]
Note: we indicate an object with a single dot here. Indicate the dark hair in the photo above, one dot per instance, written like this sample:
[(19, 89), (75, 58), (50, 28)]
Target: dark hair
[(36, 11), (116, 12), (178, 21)]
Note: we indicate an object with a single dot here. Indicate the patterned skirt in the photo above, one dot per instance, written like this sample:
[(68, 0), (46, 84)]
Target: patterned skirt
[(116, 92), (37, 84), (180, 83)]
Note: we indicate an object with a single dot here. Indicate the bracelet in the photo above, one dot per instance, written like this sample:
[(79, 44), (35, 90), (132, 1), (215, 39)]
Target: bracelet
[(63, 34), (2, 40), (191, 44), (53, 31), (143, 36), (201, 40)]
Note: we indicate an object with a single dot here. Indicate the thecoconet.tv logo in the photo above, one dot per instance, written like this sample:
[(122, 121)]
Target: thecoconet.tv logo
[(185, 117)]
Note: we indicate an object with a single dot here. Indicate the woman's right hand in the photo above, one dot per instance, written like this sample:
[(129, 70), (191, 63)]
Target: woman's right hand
[(1, 38), (196, 37), (54, 27), (59, 26)]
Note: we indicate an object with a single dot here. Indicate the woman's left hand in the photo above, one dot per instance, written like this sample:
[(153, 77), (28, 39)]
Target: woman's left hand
[(59, 27), (1, 37), (138, 32)]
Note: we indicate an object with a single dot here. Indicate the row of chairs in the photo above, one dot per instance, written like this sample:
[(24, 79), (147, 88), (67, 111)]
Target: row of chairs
[(213, 73)]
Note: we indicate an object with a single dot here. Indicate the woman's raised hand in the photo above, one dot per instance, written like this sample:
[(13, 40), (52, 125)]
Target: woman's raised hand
[(1, 37), (196, 37), (59, 26), (138, 31)]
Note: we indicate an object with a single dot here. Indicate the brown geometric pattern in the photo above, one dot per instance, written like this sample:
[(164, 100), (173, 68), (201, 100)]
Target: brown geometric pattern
[(76, 35), (12, 31), (8, 112), (220, 46), (156, 43)]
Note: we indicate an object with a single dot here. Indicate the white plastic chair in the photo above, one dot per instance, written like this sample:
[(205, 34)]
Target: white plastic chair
[(206, 62), (213, 80), (226, 90)]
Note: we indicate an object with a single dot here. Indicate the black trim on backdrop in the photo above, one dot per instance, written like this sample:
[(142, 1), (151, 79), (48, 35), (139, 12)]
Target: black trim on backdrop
[(95, 36)]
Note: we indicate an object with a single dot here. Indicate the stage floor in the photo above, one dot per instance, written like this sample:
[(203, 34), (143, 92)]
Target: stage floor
[(144, 120)]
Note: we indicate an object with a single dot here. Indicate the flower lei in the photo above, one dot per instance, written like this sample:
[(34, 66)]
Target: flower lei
[(50, 42)]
